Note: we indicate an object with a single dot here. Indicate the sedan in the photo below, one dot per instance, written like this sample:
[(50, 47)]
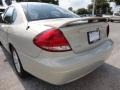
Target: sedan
[(54, 44)]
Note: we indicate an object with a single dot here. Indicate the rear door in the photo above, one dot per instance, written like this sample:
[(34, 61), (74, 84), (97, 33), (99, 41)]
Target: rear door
[(5, 25)]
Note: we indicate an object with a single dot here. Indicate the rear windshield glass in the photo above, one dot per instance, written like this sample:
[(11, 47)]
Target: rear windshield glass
[(41, 11)]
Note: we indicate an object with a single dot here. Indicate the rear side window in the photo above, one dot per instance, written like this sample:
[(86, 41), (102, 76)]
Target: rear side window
[(14, 15), (40, 11), (10, 12)]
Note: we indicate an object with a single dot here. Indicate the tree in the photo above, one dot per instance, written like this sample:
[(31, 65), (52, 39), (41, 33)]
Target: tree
[(46, 1), (50, 1), (116, 1), (90, 7), (101, 7), (82, 11), (70, 8)]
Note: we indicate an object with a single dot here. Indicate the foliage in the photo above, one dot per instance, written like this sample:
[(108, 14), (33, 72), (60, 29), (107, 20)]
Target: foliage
[(101, 7), (116, 1), (70, 8), (90, 7), (46, 1), (82, 11)]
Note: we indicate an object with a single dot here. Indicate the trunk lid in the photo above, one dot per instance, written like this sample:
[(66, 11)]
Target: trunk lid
[(76, 31), (78, 35)]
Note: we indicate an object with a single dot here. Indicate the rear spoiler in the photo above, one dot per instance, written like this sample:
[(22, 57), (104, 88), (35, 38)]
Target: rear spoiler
[(97, 19), (77, 21)]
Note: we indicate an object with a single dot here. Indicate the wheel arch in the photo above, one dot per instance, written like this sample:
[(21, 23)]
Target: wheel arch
[(23, 72), (10, 46)]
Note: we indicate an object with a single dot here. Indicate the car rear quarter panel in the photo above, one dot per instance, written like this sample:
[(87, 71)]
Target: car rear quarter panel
[(22, 40), (21, 37)]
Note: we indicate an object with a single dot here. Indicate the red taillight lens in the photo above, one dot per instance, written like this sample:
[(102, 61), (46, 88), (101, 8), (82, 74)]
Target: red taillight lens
[(52, 40), (108, 30)]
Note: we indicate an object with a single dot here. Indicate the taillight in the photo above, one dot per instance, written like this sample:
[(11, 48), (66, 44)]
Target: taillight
[(108, 30), (52, 40)]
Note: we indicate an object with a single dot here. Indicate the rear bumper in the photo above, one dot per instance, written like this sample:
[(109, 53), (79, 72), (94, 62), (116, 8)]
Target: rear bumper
[(67, 68)]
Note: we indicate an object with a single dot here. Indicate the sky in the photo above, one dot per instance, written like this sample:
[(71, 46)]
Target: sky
[(77, 4), (74, 3)]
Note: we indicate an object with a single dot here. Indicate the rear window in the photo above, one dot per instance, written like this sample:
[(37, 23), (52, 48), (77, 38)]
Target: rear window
[(41, 11)]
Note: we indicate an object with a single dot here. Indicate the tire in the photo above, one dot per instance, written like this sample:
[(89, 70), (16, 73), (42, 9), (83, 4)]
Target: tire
[(17, 64)]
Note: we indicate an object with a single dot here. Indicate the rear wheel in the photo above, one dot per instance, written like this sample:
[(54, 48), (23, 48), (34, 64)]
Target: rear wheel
[(17, 64)]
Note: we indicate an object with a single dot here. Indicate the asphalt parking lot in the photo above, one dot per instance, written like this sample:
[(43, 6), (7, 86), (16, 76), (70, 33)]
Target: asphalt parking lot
[(106, 77)]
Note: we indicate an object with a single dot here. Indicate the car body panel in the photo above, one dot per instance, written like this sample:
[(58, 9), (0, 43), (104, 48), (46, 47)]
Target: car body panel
[(78, 35), (75, 34), (62, 68)]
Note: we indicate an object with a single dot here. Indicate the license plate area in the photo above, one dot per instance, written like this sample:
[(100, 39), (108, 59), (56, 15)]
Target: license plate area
[(93, 36)]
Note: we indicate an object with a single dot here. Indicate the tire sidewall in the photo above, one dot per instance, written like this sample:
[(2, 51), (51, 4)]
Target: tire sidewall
[(21, 68)]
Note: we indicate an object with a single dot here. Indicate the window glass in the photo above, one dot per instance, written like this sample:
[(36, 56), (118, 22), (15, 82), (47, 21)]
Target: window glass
[(40, 11), (10, 12), (14, 15)]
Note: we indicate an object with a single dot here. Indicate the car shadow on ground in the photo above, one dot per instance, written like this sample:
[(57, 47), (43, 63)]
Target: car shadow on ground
[(106, 77)]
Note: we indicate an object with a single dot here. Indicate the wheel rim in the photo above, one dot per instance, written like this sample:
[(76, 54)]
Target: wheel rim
[(16, 61)]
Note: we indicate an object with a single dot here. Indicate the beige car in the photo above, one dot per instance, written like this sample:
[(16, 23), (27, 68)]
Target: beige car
[(54, 44)]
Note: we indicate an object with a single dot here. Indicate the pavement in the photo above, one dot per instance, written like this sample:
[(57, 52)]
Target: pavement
[(106, 77)]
